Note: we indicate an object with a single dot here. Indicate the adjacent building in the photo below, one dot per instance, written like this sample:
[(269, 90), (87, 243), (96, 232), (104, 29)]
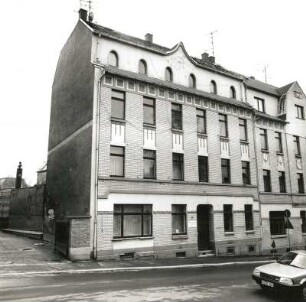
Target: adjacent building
[(154, 153)]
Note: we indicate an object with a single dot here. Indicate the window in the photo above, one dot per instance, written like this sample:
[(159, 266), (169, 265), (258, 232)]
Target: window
[(277, 222), (178, 166), (226, 173), (148, 111), (117, 161), (169, 74), (228, 217), (179, 219), (201, 121), (300, 180), (263, 139), (296, 146), (248, 213), (203, 168), (192, 81), (142, 67), (297, 94), (267, 180), (113, 59), (118, 105), (233, 92), (132, 220), (246, 173), (282, 182), (223, 125), (299, 112), (303, 217), (279, 144), (243, 129), (213, 87), (149, 164), (176, 113), (260, 104)]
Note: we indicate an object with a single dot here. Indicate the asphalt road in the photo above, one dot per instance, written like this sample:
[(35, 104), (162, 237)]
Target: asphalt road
[(229, 283)]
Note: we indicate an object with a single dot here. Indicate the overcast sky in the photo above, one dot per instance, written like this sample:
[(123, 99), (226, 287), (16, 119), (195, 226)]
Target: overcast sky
[(250, 35)]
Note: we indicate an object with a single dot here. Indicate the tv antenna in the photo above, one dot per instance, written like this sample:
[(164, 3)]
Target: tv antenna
[(212, 41), (265, 71)]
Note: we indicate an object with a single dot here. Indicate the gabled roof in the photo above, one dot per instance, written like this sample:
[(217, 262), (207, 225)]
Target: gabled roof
[(285, 89), (261, 86)]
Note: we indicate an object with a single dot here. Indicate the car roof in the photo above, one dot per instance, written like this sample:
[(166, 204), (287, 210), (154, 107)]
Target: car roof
[(300, 252)]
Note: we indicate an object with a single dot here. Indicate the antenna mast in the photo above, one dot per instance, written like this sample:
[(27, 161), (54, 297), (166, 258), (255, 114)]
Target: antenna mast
[(212, 41), (266, 72)]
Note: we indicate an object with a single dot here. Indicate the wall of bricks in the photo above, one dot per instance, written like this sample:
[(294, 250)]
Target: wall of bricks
[(80, 233)]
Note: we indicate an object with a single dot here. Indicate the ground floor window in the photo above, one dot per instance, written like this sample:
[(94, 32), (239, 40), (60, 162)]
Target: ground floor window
[(179, 219), (248, 212), (132, 220), (303, 216), (277, 223), (228, 218)]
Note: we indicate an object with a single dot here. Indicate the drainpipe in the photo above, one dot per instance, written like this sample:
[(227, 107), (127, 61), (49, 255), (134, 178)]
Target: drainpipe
[(97, 119)]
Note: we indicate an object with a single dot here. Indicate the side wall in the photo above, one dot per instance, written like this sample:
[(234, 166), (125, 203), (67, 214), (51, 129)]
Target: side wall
[(70, 135)]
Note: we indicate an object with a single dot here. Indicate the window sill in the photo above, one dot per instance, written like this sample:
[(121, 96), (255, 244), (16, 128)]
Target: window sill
[(201, 134), (280, 153), (229, 233), (250, 232), (179, 236), (278, 236), (177, 130), (133, 238), (303, 234), (150, 126), (298, 156), (264, 151), (244, 142), (113, 119), (224, 138)]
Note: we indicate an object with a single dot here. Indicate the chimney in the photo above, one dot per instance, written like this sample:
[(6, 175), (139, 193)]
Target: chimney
[(18, 177), (83, 14), (205, 56), (252, 77), (211, 59), (149, 38)]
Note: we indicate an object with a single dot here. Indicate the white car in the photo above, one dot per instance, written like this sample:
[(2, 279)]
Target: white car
[(287, 274)]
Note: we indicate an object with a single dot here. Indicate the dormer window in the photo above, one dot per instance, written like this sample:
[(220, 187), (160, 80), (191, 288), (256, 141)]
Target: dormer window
[(260, 104), (233, 92), (169, 74), (113, 59), (142, 67), (213, 87), (192, 81)]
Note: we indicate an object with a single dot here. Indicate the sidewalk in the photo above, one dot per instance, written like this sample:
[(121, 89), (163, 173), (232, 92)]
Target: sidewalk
[(25, 256)]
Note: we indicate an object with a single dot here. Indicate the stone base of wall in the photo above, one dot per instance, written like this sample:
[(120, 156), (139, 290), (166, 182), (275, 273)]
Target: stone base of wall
[(83, 253)]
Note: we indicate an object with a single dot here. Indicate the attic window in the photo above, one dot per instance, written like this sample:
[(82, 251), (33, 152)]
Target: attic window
[(192, 81), (169, 74), (233, 92), (297, 94), (213, 87), (113, 59), (142, 67)]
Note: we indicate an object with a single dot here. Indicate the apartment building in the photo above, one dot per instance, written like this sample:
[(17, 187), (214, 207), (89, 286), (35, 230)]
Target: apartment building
[(154, 153)]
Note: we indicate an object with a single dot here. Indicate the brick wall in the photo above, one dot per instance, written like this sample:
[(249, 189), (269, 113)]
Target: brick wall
[(79, 233)]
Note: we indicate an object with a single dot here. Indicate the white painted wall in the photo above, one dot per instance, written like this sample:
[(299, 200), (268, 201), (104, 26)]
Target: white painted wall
[(270, 101)]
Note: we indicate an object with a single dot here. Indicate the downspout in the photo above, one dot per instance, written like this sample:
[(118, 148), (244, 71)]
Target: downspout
[(97, 125)]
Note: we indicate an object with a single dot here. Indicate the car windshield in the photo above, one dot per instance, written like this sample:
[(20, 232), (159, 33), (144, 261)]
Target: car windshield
[(293, 259)]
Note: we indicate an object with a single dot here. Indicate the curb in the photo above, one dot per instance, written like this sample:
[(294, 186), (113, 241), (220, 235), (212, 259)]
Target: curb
[(128, 269)]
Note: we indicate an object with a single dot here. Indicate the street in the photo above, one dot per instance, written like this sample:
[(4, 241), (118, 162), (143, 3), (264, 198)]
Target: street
[(228, 283)]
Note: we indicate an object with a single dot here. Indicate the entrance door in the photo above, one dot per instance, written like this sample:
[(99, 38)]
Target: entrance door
[(203, 227)]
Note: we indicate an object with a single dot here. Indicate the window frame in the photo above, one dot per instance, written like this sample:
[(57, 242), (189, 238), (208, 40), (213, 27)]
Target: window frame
[(117, 99), (267, 180), (146, 107), (142, 64), (300, 112), (249, 217), (143, 213), (115, 57), (178, 158), (228, 219), (168, 74), (282, 182), (303, 217), (263, 139), (247, 170), (279, 219), (213, 87), (204, 168), (201, 117), (260, 104), (296, 145), (192, 81), (225, 164), (147, 158), (243, 125), (279, 142), (233, 94), (176, 214), (112, 154), (176, 116), (300, 183), (223, 122)]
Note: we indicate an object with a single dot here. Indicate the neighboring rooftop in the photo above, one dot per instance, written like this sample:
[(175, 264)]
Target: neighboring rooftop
[(9, 183)]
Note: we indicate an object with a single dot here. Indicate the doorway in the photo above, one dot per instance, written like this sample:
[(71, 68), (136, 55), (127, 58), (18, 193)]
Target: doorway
[(204, 218)]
